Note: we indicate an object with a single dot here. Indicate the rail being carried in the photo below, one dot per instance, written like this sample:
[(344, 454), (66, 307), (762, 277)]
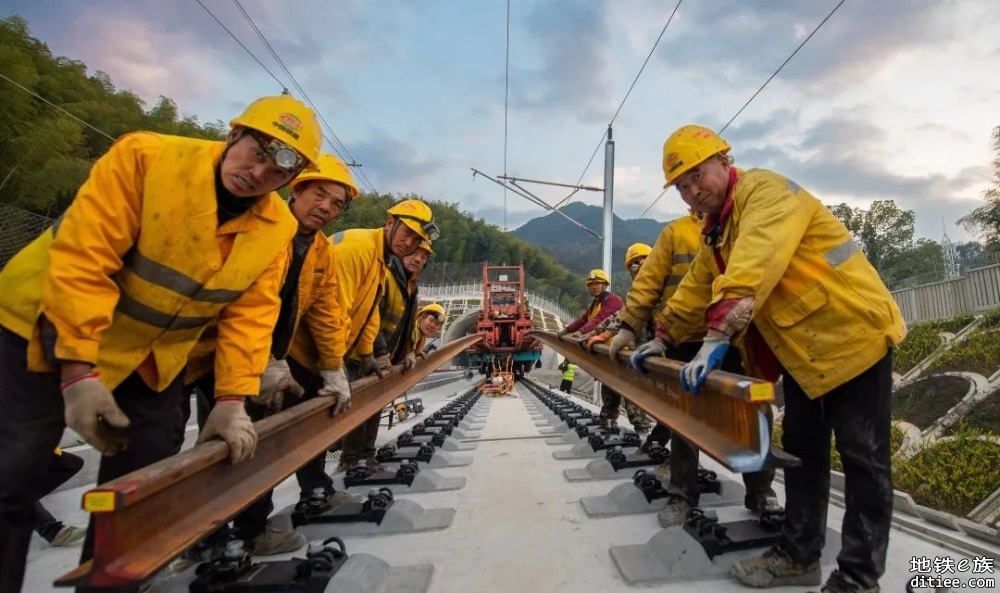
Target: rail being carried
[(148, 517), (725, 419)]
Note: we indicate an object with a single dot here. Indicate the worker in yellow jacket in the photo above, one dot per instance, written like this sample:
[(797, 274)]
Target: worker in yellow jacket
[(308, 298), (429, 321), (409, 223), (781, 277), (165, 236)]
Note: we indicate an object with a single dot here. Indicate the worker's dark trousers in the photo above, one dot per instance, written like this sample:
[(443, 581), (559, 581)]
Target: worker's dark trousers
[(63, 467), (859, 415), (566, 386), (252, 521), (359, 444), (684, 455), (31, 425)]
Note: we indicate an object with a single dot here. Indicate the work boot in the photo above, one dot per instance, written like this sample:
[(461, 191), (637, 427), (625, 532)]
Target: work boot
[(776, 569), (275, 541), (757, 502), (320, 501), (675, 513), (662, 472), (377, 468), (347, 462), (839, 582), (68, 536)]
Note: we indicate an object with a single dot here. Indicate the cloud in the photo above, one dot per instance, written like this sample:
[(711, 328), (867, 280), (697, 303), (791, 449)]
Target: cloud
[(391, 162), (575, 75)]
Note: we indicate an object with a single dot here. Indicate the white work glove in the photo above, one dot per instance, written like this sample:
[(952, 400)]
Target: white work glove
[(275, 384), (335, 385), (229, 421), (382, 363), (709, 358), (420, 354), (625, 338), (410, 361), (562, 332), (92, 412), (650, 348), (370, 366)]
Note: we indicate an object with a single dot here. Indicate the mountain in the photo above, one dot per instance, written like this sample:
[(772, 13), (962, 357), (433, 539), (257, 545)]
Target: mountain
[(577, 249)]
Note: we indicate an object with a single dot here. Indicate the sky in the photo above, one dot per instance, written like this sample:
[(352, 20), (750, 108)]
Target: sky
[(893, 99)]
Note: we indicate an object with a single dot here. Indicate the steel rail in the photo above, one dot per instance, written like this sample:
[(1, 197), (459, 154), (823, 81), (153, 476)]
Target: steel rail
[(148, 517), (725, 419)]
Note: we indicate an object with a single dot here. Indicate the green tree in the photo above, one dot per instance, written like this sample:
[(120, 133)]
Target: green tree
[(984, 221), (921, 263), (882, 232)]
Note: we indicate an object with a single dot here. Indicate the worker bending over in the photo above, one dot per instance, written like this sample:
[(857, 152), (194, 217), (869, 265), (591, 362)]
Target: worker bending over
[(166, 236), (781, 277)]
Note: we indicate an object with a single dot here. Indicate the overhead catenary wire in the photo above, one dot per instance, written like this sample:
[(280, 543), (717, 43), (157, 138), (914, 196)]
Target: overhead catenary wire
[(624, 99), (759, 90), (506, 95), (342, 151), (51, 104)]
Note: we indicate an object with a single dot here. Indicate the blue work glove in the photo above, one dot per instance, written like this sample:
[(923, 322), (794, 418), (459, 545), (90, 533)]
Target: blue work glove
[(650, 348), (709, 358)]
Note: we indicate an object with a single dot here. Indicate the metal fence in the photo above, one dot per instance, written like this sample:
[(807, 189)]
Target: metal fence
[(18, 228), (475, 290), (977, 291)]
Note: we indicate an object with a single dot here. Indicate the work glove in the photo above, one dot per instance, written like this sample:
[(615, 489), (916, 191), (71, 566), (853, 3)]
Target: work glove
[(600, 338), (383, 364), (574, 336), (624, 339), (562, 332), (650, 348), (368, 367), (335, 385), (229, 421), (709, 358), (275, 384), (410, 361), (420, 354), (92, 412)]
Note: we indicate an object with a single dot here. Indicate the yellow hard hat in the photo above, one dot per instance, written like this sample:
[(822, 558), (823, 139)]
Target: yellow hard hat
[(426, 246), (635, 251), (287, 120), (597, 276), (418, 216), (688, 147), (330, 168), (434, 309)]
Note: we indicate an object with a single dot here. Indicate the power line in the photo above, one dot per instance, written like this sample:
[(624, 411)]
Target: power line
[(345, 154), (506, 94), (245, 48), (625, 98), (51, 104), (769, 79), (804, 41)]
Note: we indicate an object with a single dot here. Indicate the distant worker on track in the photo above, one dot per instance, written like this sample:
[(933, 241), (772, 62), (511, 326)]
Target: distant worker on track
[(780, 276), (100, 312), (568, 374)]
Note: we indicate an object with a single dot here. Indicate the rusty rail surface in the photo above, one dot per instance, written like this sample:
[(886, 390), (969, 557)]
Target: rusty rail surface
[(150, 516), (725, 419)]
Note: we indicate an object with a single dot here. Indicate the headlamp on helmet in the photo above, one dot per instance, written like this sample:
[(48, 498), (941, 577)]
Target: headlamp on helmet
[(430, 228)]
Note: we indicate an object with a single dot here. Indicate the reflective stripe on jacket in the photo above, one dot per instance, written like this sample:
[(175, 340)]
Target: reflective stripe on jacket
[(316, 306), (138, 267), (663, 270), (360, 272), (819, 304)]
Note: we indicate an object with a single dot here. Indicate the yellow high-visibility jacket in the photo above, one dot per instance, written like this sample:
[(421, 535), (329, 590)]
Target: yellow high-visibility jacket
[(360, 265), (138, 266), (663, 270), (397, 307), (819, 304), (316, 306)]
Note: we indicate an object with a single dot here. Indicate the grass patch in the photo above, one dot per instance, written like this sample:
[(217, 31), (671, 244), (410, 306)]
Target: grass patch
[(984, 416), (952, 476), (922, 339), (927, 399), (978, 353)]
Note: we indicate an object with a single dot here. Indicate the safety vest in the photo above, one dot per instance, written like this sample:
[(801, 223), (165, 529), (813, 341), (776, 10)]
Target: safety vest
[(570, 372), (181, 270)]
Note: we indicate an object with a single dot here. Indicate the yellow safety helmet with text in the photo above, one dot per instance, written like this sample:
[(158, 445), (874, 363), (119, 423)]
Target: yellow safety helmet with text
[(688, 147), (288, 121), (330, 168), (433, 309), (598, 276), (418, 216), (636, 251)]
